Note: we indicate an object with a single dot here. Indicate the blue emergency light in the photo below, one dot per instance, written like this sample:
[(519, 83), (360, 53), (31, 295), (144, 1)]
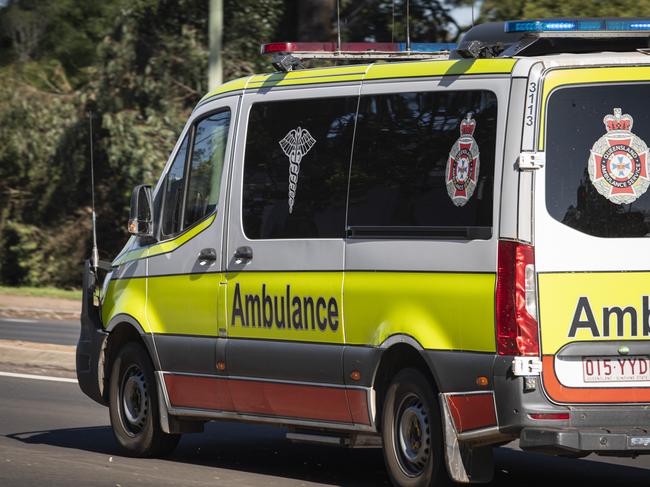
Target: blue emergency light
[(579, 25)]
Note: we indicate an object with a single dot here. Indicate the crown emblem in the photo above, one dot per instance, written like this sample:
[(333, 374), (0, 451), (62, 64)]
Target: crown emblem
[(618, 121), (467, 125)]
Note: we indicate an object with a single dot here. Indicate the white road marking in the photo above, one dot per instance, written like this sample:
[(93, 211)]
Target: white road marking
[(38, 377), (18, 320)]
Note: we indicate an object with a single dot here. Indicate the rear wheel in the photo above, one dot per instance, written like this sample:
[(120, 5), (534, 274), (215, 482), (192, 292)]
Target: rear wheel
[(412, 432), (133, 406)]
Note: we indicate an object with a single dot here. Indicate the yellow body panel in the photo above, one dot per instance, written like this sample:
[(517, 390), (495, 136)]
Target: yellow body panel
[(440, 68), (234, 85), (563, 77), (441, 311), (560, 304), (185, 304), (126, 296)]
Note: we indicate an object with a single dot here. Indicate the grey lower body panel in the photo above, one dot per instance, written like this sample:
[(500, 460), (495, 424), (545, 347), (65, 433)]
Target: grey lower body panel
[(268, 359), (607, 429), (457, 371), (187, 353)]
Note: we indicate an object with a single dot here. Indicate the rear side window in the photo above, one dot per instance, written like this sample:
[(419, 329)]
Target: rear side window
[(415, 174), (296, 168), (597, 163)]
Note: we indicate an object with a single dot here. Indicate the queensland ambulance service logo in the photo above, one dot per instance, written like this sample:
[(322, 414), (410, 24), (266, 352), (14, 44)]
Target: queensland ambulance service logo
[(295, 145), (618, 164), (463, 164)]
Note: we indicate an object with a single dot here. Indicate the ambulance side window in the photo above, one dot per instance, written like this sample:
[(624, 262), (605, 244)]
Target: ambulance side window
[(400, 177), (296, 168), (206, 166), (173, 188)]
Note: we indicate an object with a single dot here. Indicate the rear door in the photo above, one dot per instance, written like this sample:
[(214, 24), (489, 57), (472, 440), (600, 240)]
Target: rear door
[(592, 229)]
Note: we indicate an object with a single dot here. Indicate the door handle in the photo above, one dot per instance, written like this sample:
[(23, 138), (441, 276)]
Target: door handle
[(243, 254), (207, 255)]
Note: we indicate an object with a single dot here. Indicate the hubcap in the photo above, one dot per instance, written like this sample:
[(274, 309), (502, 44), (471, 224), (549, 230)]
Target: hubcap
[(135, 400), (413, 435)]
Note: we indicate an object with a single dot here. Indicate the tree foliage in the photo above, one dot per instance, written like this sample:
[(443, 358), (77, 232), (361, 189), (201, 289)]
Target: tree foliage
[(139, 66)]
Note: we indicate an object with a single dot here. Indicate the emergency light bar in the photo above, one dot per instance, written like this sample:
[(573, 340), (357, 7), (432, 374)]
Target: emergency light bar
[(609, 26), (287, 55), (369, 48)]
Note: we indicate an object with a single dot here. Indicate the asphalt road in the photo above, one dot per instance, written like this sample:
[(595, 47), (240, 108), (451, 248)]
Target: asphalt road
[(38, 330), (52, 435)]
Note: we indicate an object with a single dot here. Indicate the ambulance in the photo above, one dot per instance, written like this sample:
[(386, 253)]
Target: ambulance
[(431, 252)]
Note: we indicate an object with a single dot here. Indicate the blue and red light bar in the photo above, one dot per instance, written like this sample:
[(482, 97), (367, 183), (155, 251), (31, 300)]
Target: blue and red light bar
[(579, 25), (355, 47)]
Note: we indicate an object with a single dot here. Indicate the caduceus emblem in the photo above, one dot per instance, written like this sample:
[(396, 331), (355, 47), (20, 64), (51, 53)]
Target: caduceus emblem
[(295, 145)]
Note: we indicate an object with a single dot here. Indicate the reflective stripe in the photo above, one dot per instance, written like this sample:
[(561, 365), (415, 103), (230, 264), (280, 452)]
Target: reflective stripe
[(166, 246), (579, 395)]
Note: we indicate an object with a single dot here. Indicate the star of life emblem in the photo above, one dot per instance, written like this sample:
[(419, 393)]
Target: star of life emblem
[(618, 162), (295, 145), (461, 174)]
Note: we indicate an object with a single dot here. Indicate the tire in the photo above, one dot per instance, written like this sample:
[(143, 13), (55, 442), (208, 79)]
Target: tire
[(133, 405), (412, 432)]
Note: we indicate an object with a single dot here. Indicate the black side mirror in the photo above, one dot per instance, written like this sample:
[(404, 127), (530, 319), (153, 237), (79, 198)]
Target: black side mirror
[(141, 216)]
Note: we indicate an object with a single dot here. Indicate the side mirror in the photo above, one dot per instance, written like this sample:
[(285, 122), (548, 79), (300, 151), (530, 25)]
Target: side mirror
[(141, 215)]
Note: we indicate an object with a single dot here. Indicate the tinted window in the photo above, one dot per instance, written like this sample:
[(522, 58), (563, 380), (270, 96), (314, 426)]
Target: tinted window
[(296, 168), (610, 199), (173, 193), (211, 135), (401, 182)]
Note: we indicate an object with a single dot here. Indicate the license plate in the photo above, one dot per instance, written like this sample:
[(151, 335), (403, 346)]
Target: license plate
[(616, 369)]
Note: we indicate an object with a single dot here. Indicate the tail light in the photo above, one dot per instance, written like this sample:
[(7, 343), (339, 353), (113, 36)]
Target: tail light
[(516, 305)]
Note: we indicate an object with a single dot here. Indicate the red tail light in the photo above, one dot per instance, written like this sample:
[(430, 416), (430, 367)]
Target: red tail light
[(516, 309)]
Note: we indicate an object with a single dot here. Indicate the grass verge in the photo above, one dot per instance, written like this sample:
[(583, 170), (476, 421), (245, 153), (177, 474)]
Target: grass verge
[(42, 292)]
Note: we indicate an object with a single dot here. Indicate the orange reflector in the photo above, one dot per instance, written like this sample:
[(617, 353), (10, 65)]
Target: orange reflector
[(482, 381), (355, 375), (552, 416), (221, 365)]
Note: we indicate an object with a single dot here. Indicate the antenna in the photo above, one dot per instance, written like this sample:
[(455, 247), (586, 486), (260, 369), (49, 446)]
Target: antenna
[(392, 29), (472, 13), (94, 259), (338, 25), (408, 29)]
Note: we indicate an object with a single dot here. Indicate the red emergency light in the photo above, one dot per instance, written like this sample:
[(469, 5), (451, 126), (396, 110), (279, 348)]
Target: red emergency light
[(356, 47)]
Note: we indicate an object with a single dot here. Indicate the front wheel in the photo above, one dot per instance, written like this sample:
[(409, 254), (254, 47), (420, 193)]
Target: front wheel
[(412, 432), (133, 405)]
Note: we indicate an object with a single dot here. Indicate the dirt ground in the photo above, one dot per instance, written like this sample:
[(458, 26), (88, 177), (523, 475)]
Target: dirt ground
[(39, 307)]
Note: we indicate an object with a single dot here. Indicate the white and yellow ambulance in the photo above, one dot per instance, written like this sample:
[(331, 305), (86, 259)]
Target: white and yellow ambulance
[(436, 254)]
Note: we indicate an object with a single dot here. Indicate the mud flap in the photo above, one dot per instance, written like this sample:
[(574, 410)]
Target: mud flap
[(466, 463)]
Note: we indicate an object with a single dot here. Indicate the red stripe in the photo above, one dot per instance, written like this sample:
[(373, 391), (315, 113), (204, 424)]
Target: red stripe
[(472, 411), (268, 398), (198, 392), (358, 401), (588, 395)]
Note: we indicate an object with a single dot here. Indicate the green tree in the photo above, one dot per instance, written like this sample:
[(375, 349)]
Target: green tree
[(528, 9)]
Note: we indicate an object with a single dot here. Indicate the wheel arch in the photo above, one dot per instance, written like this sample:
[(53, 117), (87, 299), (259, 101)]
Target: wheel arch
[(123, 329), (399, 352)]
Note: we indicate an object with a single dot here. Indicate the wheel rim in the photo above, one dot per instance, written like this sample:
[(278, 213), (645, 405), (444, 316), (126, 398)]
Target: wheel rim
[(413, 436), (134, 400)]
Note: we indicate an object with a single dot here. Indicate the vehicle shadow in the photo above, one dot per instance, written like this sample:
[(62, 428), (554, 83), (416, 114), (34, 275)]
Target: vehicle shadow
[(264, 450), (246, 448)]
